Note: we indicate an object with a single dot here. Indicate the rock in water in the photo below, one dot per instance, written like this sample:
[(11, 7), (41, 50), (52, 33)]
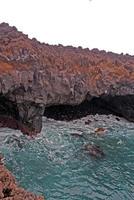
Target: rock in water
[(94, 150), (1, 159), (100, 131)]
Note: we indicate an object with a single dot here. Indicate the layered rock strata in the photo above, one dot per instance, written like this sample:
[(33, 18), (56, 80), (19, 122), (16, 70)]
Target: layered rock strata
[(35, 76)]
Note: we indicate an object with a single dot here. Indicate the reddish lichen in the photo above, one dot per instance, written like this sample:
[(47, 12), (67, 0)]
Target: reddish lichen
[(44, 75), (9, 189)]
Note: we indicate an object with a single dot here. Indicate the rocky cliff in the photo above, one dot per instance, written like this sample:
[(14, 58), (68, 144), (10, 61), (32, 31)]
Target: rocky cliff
[(34, 76), (9, 190)]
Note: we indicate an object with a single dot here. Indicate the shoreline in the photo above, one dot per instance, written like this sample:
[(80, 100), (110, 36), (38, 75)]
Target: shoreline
[(9, 189)]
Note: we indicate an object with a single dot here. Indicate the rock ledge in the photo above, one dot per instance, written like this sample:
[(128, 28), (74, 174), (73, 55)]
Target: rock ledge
[(34, 76)]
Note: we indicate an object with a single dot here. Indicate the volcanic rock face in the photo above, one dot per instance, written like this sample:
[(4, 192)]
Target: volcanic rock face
[(9, 190), (34, 76)]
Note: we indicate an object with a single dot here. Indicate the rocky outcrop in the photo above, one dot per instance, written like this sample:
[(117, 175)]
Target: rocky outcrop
[(34, 76), (9, 190)]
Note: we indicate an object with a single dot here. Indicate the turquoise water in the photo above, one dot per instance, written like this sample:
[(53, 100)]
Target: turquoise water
[(54, 164)]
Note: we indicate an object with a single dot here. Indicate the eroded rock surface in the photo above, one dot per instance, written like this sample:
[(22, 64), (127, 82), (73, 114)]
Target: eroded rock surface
[(9, 190), (34, 76)]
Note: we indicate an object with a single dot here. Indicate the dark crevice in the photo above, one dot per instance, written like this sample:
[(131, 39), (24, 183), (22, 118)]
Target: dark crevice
[(7, 192), (68, 112), (8, 113), (8, 107), (27, 116)]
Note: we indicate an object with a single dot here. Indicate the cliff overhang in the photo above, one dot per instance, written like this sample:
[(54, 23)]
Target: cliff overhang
[(40, 79)]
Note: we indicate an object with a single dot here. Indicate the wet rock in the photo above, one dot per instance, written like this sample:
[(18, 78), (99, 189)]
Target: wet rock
[(94, 150), (30, 118), (77, 134), (100, 131), (15, 140), (1, 159)]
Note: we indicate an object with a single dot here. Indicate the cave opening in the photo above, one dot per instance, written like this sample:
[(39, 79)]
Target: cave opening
[(28, 117), (100, 105), (8, 113)]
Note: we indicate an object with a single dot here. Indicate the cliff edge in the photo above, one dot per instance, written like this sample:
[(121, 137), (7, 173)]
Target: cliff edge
[(34, 76)]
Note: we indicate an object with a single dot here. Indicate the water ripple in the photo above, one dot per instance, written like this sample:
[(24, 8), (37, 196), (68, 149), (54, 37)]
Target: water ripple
[(55, 164)]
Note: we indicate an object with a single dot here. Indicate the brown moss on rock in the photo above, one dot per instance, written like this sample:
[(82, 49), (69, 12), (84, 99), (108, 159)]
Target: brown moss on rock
[(9, 189), (34, 73)]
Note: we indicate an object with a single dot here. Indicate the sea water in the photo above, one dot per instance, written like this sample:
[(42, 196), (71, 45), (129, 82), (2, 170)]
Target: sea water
[(55, 164)]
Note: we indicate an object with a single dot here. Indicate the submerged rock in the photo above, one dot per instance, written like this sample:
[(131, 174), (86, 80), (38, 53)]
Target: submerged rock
[(35, 76), (94, 150), (10, 140), (77, 134)]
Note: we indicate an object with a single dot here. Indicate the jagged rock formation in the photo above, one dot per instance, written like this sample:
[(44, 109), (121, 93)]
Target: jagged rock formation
[(9, 190), (34, 76)]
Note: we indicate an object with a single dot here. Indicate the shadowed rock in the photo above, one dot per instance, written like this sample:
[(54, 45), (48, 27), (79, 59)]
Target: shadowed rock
[(1, 159)]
